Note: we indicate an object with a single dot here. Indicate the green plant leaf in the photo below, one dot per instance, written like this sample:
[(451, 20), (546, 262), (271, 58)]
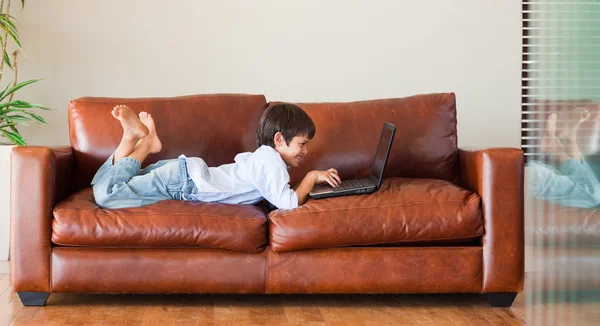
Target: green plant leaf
[(4, 91), (7, 104), (14, 129), (14, 137), (7, 27), (14, 106), (27, 105), (10, 28), (18, 117), (17, 87), (8, 16), (31, 114), (16, 103), (37, 118), (7, 60), (41, 107), (17, 120), (12, 25)]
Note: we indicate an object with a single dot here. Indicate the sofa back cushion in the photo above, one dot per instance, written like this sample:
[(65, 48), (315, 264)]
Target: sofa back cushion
[(425, 145), (214, 127)]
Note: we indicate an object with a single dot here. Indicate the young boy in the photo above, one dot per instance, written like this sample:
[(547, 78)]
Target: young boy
[(572, 182), (283, 135)]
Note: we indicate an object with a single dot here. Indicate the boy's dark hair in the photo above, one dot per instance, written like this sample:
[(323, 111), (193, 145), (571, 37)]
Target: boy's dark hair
[(286, 118)]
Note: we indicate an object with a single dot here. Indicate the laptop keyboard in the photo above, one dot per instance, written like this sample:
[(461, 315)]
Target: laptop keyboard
[(353, 184)]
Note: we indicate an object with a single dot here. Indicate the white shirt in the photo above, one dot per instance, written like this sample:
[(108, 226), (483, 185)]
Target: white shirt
[(253, 176)]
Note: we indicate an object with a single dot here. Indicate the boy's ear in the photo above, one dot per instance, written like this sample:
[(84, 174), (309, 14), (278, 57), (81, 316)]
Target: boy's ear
[(278, 139)]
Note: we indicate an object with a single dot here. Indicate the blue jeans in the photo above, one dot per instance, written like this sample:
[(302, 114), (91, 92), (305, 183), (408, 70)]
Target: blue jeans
[(125, 184), (573, 184)]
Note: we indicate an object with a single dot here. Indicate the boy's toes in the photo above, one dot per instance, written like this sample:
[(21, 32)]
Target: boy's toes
[(551, 122), (149, 121), (584, 113), (115, 112)]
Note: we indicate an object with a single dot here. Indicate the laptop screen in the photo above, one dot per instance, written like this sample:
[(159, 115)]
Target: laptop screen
[(381, 155)]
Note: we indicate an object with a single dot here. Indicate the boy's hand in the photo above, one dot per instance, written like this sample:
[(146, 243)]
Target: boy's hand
[(330, 176)]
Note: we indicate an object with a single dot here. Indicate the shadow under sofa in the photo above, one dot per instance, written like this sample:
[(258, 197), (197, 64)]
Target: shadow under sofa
[(445, 220)]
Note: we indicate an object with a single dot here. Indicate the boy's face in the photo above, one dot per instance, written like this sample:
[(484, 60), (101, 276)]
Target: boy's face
[(293, 153)]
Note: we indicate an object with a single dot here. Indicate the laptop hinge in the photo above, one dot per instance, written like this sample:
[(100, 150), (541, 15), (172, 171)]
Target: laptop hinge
[(374, 180)]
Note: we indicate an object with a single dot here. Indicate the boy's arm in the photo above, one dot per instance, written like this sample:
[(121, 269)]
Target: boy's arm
[(330, 176), (305, 187)]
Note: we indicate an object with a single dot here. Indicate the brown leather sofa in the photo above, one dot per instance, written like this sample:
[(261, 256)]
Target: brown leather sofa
[(445, 220)]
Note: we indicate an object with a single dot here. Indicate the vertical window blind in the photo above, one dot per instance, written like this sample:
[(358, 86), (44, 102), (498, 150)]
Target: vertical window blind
[(560, 75), (560, 70)]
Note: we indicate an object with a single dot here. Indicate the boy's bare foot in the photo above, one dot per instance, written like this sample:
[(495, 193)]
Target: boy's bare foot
[(133, 128), (584, 115), (569, 122), (570, 139), (550, 143), (151, 140)]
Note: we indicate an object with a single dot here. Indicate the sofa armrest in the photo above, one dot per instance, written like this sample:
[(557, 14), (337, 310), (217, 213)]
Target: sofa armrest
[(40, 177), (497, 176)]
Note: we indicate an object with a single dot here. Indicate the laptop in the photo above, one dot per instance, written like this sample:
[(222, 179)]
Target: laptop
[(364, 185)]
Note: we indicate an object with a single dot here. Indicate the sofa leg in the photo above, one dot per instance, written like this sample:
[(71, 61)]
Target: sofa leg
[(501, 299), (34, 298)]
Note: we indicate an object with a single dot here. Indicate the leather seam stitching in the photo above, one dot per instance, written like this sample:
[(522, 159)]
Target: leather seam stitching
[(267, 269), (405, 241), (194, 247), (163, 214)]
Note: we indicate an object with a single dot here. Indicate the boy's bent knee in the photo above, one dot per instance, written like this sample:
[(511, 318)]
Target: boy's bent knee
[(106, 200), (111, 202), (103, 200)]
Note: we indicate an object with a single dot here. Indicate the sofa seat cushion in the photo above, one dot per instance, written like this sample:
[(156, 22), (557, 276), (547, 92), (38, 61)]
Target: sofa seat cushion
[(402, 212), (78, 221)]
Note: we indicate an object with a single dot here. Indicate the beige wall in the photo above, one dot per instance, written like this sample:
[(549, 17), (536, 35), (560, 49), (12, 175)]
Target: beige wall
[(288, 50)]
